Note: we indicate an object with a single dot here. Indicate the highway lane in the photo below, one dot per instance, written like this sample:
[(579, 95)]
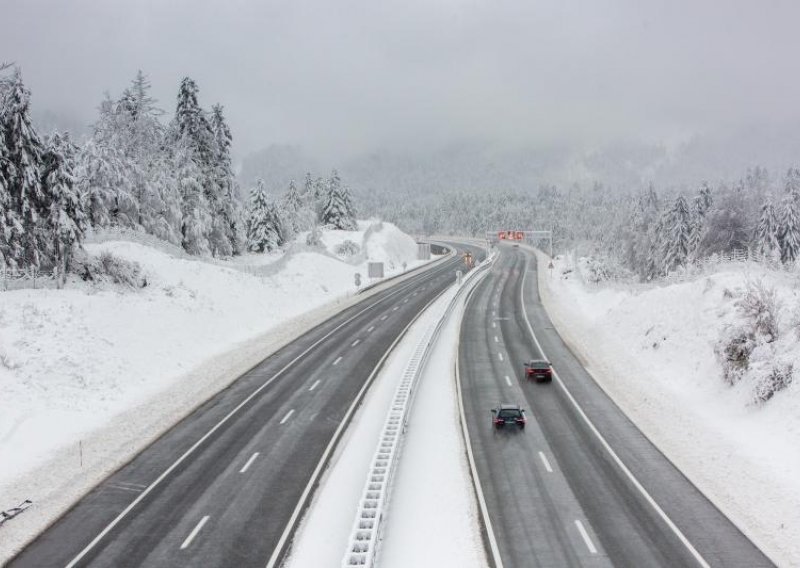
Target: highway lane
[(226, 485), (556, 495)]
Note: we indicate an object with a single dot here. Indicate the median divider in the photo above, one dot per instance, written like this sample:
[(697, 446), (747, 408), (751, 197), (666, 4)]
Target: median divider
[(364, 542)]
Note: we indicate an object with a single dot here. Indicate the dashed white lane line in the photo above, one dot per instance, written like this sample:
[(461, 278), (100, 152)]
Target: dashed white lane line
[(508, 380), (384, 317), (496, 340), (288, 414), (194, 532), (337, 361), (405, 301), (369, 330), (356, 342), (394, 309), (312, 387), (494, 324), (546, 462), (585, 535), (249, 462), (500, 356)]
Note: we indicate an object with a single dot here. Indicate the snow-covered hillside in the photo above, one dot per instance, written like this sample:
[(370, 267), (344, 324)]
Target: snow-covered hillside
[(88, 374), (652, 348)]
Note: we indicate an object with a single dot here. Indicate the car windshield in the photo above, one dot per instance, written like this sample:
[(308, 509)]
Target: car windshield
[(509, 413)]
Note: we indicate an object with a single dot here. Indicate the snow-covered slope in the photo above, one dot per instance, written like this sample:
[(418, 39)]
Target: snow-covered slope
[(90, 373), (652, 348)]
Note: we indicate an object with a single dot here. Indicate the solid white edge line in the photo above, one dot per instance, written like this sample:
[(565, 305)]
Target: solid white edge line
[(288, 415), (508, 380), (546, 462), (476, 482), (312, 387), (635, 482), (276, 553), (336, 362), (251, 396), (249, 462), (194, 532), (585, 535)]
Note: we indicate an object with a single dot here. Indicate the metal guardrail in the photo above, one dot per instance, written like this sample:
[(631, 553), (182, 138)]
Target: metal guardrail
[(364, 540)]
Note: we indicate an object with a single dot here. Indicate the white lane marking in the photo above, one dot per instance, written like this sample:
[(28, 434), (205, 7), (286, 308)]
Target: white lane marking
[(312, 387), (123, 488), (546, 462), (394, 309), (494, 324), (494, 313), (194, 532), (369, 330), (356, 342), (249, 462), (585, 535), (405, 301), (128, 483), (500, 356), (337, 361), (508, 380), (218, 425), (496, 340), (288, 415), (384, 317), (635, 482)]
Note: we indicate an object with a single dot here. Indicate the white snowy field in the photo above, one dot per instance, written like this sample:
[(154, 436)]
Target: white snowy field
[(432, 518), (92, 373), (652, 349)]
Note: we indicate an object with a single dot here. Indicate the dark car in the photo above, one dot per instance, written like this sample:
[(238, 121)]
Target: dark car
[(508, 415), (539, 370)]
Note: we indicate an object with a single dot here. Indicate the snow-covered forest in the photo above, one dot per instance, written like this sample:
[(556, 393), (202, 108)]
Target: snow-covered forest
[(649, 232), (171, 179)]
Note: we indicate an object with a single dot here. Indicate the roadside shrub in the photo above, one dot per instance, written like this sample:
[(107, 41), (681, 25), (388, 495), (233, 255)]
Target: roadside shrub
[(760, 305), (734, 349), (108, 267), (314, 238), (347, 248), (776, 380)]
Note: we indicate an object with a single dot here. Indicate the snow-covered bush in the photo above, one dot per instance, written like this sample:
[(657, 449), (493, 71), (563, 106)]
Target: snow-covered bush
[(759, 303), (776, 380), (108, 267), (314, 238), (733, 350), (347, 248)]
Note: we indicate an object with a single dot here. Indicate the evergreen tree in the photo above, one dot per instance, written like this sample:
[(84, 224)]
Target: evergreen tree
[(790, 228), (66, 220), (678, 233), (22, 165), (195, 217), (263, 222), (225, 239), (767, 241)]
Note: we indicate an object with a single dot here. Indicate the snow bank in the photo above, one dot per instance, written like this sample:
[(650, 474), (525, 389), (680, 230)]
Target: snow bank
[(90, 374), (652, 349)]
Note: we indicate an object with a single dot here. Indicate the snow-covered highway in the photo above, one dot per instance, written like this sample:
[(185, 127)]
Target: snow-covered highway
[(227, 485)]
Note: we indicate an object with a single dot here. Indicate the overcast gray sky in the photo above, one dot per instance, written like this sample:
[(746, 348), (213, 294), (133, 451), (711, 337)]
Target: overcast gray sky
[(347, 76)]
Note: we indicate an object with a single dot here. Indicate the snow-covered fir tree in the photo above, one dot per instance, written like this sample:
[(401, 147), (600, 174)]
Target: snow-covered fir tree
[(337, 209), (264, 232), (789, 231), (22, 163), (766, 238), (225, 236), (66, 220), (677, 235)]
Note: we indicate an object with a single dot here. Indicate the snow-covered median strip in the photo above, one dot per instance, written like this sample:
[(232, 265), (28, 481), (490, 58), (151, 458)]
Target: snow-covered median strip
[(323, 536), (652, 350)]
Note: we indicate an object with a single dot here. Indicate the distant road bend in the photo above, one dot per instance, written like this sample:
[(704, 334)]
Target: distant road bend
[(581, 485), (227, 485)]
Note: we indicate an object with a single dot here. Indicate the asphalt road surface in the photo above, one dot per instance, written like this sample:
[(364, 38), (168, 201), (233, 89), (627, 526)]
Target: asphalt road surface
[(576, 487), (227, 485)]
